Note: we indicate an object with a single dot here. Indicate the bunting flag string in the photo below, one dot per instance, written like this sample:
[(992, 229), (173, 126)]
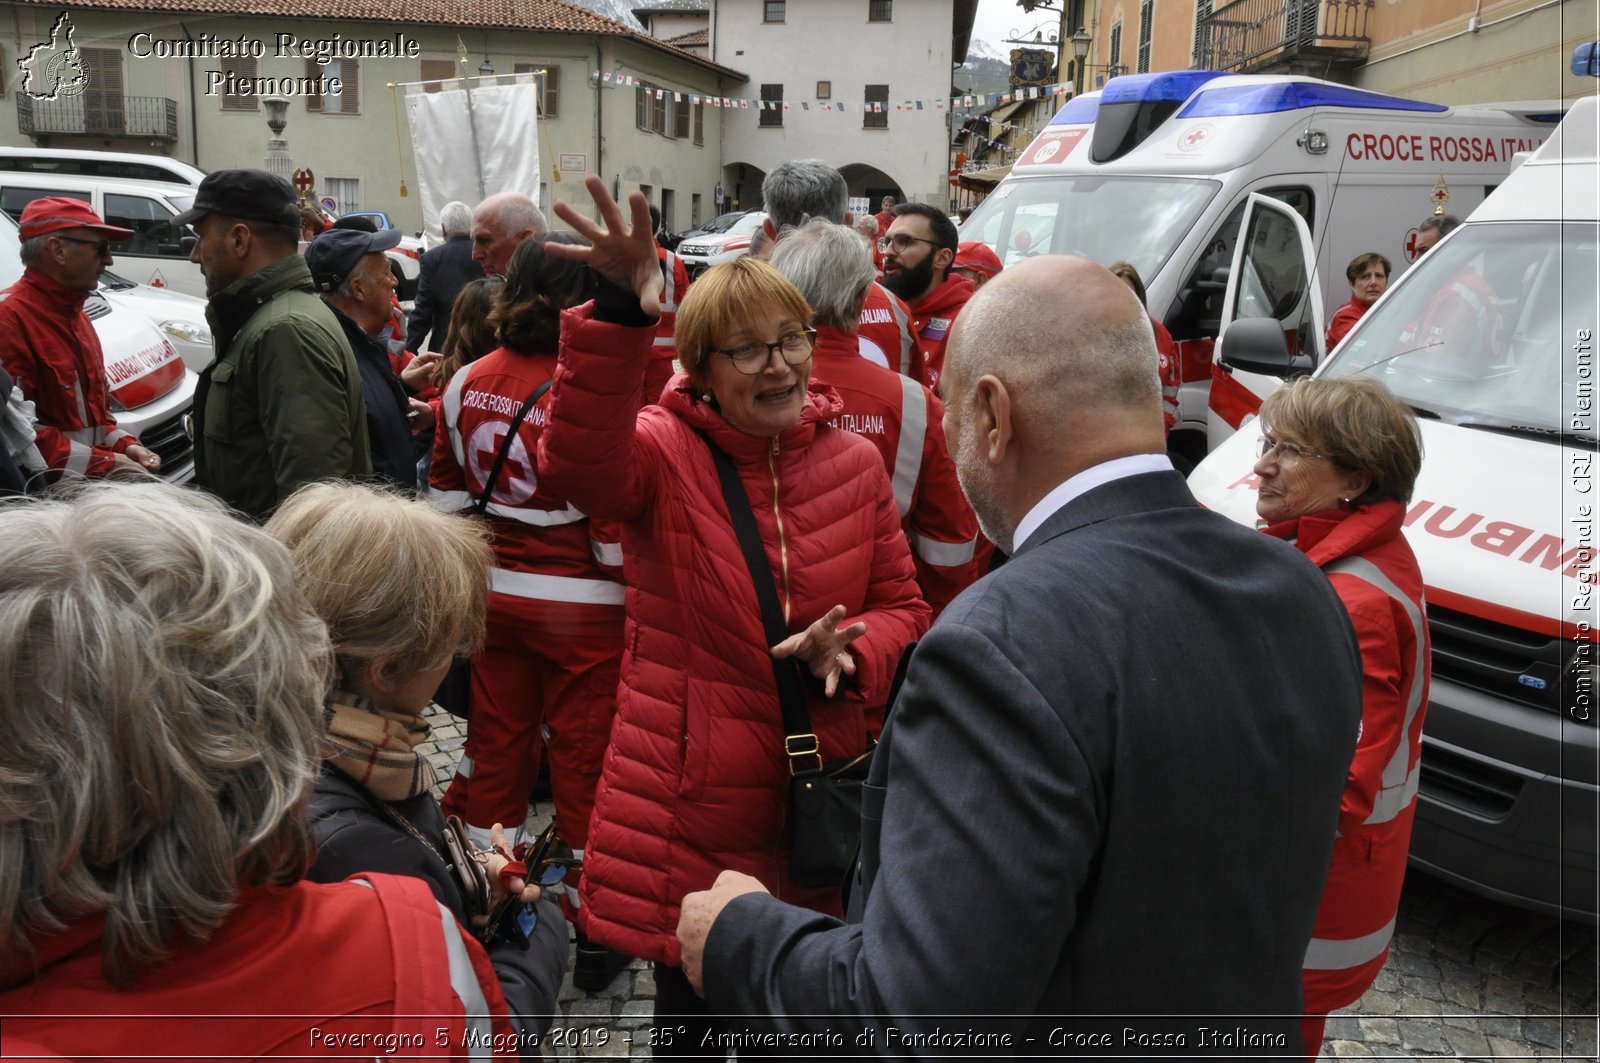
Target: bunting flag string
[(971, 105)]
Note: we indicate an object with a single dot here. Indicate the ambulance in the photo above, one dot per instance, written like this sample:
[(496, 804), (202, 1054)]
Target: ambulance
[(1158, 170), (1503, 518)]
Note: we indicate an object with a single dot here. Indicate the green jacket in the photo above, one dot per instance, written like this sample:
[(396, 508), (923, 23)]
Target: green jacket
[(281, 406)]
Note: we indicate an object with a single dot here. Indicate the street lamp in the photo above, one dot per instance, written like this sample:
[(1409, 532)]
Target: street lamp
[(1080, 51)]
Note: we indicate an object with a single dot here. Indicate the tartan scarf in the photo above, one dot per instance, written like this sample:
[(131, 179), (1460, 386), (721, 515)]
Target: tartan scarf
[(378, 749)]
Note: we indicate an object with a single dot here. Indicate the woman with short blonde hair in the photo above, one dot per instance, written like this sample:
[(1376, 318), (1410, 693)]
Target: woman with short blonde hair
[(402, 588)]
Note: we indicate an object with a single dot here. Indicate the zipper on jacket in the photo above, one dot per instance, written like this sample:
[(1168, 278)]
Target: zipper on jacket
[(783, 544)]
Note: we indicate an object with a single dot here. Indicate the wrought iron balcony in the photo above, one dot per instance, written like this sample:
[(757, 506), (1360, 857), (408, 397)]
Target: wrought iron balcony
[(144, 117), (1255, 36)]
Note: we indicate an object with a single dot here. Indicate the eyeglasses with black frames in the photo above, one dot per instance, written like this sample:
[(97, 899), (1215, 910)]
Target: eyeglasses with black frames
[(794, 347)]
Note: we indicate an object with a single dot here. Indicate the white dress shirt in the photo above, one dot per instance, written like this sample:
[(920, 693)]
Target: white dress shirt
[(1087, 480)]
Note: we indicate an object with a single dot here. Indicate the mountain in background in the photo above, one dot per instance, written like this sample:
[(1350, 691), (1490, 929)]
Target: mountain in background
[(985, 71), (616, 10)]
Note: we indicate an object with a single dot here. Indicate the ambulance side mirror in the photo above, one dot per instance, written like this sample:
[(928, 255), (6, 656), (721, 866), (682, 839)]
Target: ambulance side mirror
[(1257, 345)]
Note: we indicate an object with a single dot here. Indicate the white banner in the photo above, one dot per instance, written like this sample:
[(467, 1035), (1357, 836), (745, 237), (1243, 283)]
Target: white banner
[(474, 141)]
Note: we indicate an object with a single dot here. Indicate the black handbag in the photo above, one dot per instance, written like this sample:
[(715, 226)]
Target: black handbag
[(455, 690), (824, 799)]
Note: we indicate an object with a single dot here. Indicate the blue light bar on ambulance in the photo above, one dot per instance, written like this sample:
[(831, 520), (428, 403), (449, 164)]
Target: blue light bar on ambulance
[(1133, 106), (1080, 110), (1225, 100), (1586, 60)]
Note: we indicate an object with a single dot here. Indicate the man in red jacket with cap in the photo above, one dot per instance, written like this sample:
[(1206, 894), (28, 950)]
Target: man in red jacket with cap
[(917, 255), (48, 345)]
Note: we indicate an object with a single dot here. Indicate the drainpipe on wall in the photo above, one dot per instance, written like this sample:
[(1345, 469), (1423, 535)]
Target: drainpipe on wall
[(194, 106), (599, 104)]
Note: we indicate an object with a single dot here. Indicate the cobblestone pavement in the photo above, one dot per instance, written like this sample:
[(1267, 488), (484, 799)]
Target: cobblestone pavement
[(1466, 978)]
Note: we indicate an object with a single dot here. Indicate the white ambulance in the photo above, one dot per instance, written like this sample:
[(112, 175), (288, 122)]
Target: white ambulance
[(1490, 337), (1156, 170)]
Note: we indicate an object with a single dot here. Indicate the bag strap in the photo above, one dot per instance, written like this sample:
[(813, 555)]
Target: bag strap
[(482, 503), (799, 743)]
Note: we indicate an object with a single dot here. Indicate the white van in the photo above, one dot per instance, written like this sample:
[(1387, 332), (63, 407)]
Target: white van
[(1503, 518), (1156, 169), (157, 254)]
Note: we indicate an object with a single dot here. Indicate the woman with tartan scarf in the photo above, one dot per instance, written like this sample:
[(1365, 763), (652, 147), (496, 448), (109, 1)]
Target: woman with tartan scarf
[(402, 588)]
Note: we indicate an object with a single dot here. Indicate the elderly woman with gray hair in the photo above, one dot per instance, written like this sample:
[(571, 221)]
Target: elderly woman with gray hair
[(830, 266), (163, 708)]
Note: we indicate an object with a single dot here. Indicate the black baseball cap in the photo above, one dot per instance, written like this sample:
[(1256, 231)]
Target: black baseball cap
[(253, 194), (334, 255)]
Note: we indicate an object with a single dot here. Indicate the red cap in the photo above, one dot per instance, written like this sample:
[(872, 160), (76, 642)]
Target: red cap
[(977, 257), (54, 213)]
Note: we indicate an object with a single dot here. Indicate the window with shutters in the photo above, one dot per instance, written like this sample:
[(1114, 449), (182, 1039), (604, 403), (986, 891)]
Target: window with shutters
[(346, 191), (658, 117), (641, 107), (547, 78), (1147, 18), (1115, 61), (103, 111), (1202, 35), (437, 71), (348, 99), (700, 122), (241, 67), (875, 108), (681, 120), (772, 105)]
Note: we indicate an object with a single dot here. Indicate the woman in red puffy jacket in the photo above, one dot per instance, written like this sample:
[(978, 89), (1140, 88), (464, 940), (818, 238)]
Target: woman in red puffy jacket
[(1338, 461), (695, 777)]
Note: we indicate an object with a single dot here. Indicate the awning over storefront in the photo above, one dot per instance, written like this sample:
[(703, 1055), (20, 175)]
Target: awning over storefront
[(983, 180)]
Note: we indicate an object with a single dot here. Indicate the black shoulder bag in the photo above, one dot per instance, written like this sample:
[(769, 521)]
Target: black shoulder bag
[(455, 690), (824, 799)]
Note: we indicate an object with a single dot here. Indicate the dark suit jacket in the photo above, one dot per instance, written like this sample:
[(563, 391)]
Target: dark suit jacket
[(444, 271), (1109, 786)]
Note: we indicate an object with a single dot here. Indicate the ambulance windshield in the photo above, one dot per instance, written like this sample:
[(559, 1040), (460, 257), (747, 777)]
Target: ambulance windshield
[(1483, 333), (1107, 218)]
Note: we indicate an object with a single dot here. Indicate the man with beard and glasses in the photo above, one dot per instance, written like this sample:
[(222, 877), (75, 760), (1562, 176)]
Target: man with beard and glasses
[(918, 251), (1153, 826)]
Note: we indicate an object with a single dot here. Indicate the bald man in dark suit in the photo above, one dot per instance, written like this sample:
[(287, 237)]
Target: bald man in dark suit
[(1110, 782)]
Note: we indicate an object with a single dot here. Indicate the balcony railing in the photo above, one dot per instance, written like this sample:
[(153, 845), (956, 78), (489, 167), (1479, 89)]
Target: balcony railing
[(1253, 35), (146, 117)]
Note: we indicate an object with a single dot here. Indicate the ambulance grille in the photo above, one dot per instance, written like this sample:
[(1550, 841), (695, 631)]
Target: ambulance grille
[(170, 440), (1540, 671)]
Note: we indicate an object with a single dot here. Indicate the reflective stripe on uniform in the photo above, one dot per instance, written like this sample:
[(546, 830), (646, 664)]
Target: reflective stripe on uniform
[(478, 1037), (913, 432), (555, 588), (449, 501), (451, 405), (1338, 954), (607, 553), (1399, 780), (115, 436), (907, 346), (943, 555), (78, 455), (669, 290)]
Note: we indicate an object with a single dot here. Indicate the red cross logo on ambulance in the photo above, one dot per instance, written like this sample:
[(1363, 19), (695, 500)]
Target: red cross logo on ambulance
[(517, 480), (1194, 138)]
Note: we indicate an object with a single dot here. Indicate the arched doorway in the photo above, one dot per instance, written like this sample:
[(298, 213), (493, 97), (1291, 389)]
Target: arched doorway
[(741, 186), (871, 183)]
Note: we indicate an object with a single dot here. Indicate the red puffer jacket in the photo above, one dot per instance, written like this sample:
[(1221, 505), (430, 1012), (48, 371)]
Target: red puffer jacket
[(694, 780)]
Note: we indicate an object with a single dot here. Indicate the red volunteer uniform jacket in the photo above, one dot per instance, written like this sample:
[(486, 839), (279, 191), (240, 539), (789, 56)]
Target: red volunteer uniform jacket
[(931, 319), (49, 347), (1344, 319), (695, 778), (1171, 372), (1376, 575), (675, 283), (370, 967), (902, 419), (886, 339)]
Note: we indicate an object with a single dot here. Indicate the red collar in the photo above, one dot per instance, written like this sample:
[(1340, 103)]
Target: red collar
[(951, 295), (52, 291), (1336, 533)]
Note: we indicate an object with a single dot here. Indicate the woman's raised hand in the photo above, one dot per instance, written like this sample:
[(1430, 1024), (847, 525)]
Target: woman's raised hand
[(623, 254), (823, 646)]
